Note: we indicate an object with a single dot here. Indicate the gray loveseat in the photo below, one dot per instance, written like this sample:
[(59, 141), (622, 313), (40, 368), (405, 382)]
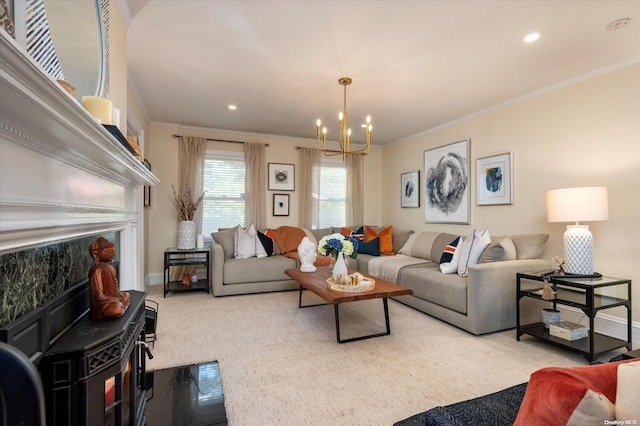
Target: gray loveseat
[(482, 302)]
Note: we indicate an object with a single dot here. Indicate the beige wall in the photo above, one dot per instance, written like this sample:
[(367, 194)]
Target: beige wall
[(118, 62), (584, 134), (162, 152)]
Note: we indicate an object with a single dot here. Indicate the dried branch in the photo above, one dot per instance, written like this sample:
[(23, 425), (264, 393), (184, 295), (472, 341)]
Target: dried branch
[(184, 203)]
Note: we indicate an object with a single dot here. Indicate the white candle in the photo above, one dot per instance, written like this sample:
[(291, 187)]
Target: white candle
[(200, 241), (100, 108)]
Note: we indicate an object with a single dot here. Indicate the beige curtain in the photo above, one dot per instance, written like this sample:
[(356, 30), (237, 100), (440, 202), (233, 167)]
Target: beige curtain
[(191, 153), (255, 185), (308, 170), (355, 190)]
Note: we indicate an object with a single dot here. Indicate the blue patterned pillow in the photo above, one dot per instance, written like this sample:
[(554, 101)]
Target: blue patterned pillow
[(449, 250)]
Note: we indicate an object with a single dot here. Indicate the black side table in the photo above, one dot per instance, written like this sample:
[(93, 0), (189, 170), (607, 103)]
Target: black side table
[(175, 257), (590, 295)]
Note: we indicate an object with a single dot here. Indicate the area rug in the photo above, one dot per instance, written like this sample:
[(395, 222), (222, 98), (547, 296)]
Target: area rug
[(496, 409), (282, 365)]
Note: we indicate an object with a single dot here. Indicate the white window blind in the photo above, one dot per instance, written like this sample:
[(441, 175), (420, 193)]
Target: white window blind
[(223, 203), (330, 194)]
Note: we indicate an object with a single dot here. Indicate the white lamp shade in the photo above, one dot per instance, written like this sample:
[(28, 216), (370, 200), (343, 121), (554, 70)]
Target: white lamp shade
[(577, 204)]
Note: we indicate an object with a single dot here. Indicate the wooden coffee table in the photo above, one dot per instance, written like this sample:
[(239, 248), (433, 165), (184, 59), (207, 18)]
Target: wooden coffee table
[(317, 283)]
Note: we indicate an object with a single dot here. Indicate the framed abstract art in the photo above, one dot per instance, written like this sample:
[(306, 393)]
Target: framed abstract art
[(495, 179), (281, 177), (410, 189), (446, 170)]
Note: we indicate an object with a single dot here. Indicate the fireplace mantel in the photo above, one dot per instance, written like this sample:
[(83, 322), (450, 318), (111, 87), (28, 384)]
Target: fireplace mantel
[(62, 175)]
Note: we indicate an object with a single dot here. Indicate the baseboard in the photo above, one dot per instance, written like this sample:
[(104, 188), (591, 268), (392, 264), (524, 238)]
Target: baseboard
[(153, 279), (609, 325)]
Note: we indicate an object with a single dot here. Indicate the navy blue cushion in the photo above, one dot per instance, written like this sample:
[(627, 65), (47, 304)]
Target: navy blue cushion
[(449, 250), (371, 247), (266, 242)]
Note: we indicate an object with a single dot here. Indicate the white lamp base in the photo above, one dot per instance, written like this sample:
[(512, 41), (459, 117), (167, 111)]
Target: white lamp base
[(578, 250)]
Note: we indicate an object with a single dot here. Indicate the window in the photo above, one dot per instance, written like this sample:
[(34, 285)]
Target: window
[(330, 194), (223, 203)]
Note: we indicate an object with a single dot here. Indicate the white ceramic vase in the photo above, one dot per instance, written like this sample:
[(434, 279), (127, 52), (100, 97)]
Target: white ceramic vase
[(186, 235), (340, 267)]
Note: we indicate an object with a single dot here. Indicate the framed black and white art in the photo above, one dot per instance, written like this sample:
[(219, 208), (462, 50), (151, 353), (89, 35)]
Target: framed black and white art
[(410, 189), (495, 179), (281, 177), (446, 170)]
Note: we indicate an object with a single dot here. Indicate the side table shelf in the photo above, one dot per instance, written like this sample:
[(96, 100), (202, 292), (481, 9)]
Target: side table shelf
[(174, 257), (588, 295)]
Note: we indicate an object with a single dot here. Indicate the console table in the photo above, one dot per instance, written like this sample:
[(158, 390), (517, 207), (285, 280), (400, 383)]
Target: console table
[(591, 295), (194, 257)]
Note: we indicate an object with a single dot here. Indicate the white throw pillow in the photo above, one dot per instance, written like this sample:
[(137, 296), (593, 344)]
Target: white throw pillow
[(628, 391), (472, 249), (245, 242), (593, 409), (452, 267)]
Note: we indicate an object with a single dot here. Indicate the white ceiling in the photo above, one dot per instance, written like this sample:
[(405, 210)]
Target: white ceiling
[(415, 64)]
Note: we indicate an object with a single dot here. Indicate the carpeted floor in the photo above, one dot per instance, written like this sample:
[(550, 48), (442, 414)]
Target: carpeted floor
[(281, 365)]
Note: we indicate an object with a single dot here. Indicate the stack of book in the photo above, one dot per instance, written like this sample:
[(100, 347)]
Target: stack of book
[(568, 330)]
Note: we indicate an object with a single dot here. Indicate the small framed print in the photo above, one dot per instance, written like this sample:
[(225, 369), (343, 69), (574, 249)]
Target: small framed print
[(495, 179), (281, 204), (281, 177), (410, 187)]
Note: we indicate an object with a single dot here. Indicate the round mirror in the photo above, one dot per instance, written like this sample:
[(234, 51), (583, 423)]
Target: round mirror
[(73, 49)]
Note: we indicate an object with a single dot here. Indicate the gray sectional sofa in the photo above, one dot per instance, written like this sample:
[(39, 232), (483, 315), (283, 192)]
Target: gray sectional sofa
[(482, 302)]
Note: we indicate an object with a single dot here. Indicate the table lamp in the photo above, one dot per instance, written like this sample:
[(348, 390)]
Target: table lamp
[(578, 205)]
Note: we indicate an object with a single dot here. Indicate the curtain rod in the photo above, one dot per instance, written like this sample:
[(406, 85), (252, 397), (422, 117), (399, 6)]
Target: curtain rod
[(219, 140)]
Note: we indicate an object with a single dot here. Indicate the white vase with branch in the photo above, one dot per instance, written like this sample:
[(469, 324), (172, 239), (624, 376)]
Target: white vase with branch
[(186, 207)]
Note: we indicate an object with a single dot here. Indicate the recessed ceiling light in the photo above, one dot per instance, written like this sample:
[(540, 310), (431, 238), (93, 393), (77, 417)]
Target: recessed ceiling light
[(618, 23), (530, 38), (232, 107)]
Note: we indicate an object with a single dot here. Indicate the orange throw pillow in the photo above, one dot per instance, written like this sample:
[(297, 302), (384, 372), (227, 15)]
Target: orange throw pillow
[(386, 238)]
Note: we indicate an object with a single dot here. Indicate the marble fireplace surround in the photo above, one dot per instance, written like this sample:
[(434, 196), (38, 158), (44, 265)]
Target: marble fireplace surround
[(63, 177)]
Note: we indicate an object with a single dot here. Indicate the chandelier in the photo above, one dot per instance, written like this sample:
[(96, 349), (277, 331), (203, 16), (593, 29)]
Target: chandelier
[(345, 131)]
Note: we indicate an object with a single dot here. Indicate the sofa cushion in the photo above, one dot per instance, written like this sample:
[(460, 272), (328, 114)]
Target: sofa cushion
[(386, 238), (451, 267), (500, 249), (529, 246), (244, 241), (440, 243), (267, 243), (225, 239), (400, 237), (322, 232), (449, 251), (419, 245), (254, 269), (554, 393), (471, 250), (627, 406), (428, 283)]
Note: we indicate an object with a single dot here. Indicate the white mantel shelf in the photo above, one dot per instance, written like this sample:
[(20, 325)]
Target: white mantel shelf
[(39, 114), (62, 174)]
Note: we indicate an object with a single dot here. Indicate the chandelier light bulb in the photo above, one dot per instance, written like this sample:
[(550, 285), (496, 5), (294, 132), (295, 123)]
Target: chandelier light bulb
[(344, 130)]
